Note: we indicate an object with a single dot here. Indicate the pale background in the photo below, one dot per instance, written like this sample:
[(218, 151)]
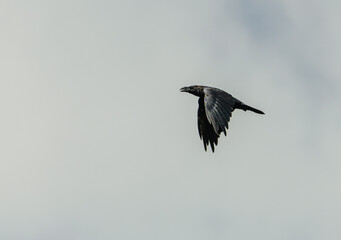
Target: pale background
[(97, 142)]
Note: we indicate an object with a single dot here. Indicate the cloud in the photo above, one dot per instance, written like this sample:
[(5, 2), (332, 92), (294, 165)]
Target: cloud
[(99, 143)]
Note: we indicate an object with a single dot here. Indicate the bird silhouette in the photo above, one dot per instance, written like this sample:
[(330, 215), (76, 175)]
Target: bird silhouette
[(214, 112)]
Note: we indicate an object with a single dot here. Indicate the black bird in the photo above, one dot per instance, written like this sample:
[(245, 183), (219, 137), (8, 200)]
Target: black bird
[(215, 109)]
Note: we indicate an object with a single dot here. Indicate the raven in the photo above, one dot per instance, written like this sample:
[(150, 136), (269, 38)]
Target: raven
[(214, 112)]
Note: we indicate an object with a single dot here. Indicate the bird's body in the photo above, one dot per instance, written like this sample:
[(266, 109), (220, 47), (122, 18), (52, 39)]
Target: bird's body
[(214, 113)]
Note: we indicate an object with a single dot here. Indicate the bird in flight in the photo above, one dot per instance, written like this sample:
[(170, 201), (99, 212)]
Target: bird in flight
[(214, 112)]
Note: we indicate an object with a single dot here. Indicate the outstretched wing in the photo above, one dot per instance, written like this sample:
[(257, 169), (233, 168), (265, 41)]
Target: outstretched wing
[(206, 130), (219, 106)]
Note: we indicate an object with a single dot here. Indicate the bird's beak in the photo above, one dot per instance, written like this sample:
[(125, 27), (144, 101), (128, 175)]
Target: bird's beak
[(184, 89)]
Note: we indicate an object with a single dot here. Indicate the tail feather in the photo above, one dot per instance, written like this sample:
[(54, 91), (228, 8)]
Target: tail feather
[(246, 107)]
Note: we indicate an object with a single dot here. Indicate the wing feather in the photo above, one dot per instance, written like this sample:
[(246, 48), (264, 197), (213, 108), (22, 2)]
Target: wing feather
[(218, 107), (214, 113), (206, 130)]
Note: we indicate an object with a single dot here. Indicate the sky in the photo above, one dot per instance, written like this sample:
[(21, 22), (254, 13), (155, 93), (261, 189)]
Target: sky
[(97, 142)]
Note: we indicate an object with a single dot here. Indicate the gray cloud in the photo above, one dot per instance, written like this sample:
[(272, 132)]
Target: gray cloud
[(99, 143)]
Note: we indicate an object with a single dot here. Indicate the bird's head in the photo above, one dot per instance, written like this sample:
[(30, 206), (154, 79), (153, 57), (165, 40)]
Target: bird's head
[(195, 90)]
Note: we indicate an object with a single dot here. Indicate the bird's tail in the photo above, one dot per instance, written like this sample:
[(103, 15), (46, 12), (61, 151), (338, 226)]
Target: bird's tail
[(246, 107)]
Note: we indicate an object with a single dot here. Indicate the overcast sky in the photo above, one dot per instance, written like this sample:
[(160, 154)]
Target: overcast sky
[(97, 142)]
